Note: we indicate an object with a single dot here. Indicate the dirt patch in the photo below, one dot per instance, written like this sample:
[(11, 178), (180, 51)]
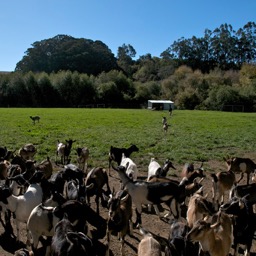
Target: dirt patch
[(150, 221)]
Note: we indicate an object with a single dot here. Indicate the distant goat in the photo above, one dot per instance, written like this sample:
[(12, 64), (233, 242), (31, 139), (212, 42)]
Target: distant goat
[(115, 154), (63, 150), (82, 158), (241, 165), (35, 118), (165, 127), (164, 120), (148, 245)]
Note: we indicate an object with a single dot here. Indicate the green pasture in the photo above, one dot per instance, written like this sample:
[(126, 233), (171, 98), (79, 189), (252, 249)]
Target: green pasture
[(192, 136)]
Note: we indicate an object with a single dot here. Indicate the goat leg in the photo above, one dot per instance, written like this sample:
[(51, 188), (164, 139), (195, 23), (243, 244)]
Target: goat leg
[(138, 217)]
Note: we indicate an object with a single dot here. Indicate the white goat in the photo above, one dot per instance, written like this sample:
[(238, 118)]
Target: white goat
[(41, 222), (131, 167), (21, 205), (148, 246)]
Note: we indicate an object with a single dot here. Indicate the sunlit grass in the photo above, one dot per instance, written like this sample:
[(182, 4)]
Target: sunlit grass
[(192, 136)]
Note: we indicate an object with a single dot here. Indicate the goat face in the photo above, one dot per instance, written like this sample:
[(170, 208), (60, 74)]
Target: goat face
[(233, 206), (199, 231)]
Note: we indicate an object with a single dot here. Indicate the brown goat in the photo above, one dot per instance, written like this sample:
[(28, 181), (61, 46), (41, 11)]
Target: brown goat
[(120, 217), (216, 241), (46, 167), (222, 182), (82, 158), (4, 166), (99, 178), (241, 165), (198, 208)]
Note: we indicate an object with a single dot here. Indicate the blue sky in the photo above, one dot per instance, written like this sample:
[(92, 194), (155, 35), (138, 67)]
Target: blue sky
[(150, 26)]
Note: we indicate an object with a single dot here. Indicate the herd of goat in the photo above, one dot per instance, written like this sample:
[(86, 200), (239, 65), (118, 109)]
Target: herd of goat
[(55, 204)]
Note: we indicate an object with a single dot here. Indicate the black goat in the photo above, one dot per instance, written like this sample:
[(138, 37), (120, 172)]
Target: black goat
[(178, 245), (244, 224), (67, 241)]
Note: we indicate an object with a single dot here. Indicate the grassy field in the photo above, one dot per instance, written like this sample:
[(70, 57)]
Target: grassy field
[(192, 135)]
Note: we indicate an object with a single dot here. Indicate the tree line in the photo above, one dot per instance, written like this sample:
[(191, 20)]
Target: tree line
[(198, 73)]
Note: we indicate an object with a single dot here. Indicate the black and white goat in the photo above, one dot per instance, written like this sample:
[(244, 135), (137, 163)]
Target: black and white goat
[(63, 150), (115, 154), (35, 118), (68, 241), (131, 167), (143, 192), (155, 169)]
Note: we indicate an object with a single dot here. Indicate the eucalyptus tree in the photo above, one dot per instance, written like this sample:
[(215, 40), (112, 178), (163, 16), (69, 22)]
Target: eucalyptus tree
[(64, 52)]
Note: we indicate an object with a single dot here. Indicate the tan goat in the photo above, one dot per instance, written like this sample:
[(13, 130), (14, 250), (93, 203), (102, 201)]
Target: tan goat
[(217, 238), (198, 208), (4, 166), (222, 182), (46, 167), (241, 165), (82, 158), (148, 246)]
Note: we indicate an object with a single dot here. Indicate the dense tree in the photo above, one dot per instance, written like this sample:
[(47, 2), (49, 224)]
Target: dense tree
[(223, 48), (64, 52), (125, 55)]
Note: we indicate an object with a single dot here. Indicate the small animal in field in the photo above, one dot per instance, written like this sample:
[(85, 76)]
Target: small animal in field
[(165, 127), (35, 118)]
